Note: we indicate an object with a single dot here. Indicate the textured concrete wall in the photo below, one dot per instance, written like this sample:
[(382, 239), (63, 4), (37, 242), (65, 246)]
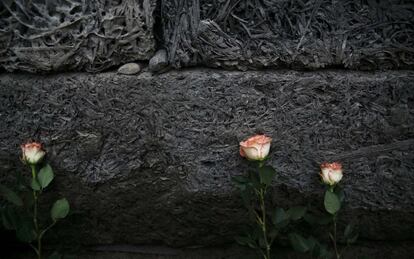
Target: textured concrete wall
[(149, 158), (355, 34), (46, 36)]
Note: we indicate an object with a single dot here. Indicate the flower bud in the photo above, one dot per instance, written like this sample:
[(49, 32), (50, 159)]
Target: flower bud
[(331, 173), (255, 148), (33, 153)]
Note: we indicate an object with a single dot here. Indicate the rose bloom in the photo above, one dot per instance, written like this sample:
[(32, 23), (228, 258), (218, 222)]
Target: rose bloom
[(256, 147), (331, 173), (33, 153)]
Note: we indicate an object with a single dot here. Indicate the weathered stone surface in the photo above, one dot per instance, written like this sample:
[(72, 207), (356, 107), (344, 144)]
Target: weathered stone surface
[(158, 61), (366, 35), (60, 35), (129, 69), (148, 159)]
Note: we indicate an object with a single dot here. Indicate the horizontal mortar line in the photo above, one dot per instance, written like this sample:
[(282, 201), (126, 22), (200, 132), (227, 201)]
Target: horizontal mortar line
[(374, 149)]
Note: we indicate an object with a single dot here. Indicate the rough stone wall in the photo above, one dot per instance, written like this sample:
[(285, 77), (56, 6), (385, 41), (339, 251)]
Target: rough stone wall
[(45, 36), (148, 158), (354, 34)]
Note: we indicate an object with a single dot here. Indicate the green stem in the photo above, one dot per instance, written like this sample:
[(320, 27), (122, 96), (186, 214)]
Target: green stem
[(334, 238), (46, 229), (35, 221), (34, 248), (263, 221), (261, 164), (332, 189)]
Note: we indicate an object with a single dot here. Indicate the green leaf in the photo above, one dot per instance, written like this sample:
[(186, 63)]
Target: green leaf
[(352, 239), (324, 220), (350, 235), (331, 202), (348, 230), (311, 219), (242, 187), (246, 196), (8, 217), (35, 185), (245, 241), (340, 193), (11, 196), (241, 182), (25, 231), (240, 179), (6, 222), (55, 255), (296, 213), (312, 242), (45, 176), (254, 180), (320, 251), (11, 217), (299, 243), (280, 218), (266, 174), (320, 219), (242, 240), (60, 209)]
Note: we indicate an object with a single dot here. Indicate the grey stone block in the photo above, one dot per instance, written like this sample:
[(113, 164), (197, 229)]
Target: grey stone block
[(149, 159), (45, 36), (249, 34)]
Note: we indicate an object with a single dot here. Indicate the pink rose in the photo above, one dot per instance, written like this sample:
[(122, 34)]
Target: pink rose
[(331, 173), (33, 153), (256, 147)]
